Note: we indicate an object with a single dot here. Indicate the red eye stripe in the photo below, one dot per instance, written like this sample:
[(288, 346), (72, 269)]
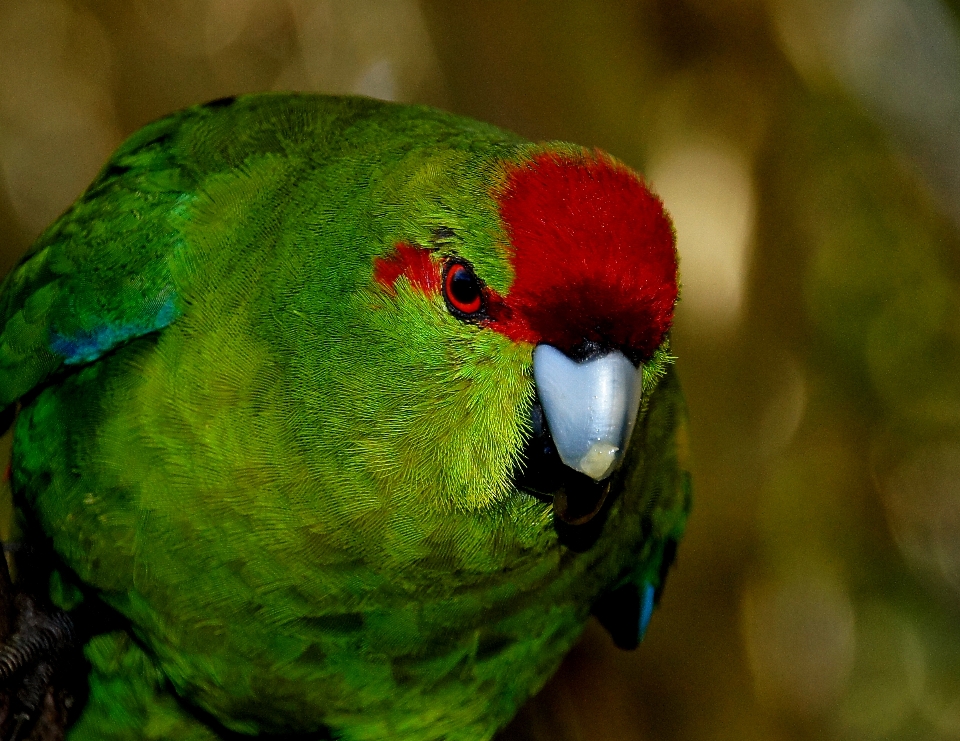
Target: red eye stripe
[(463, 292), (414, 263)]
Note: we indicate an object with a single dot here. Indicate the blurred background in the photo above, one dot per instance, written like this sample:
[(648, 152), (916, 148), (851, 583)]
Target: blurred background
[(809, 152)]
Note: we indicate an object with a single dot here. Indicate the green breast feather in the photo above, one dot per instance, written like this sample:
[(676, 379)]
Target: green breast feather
[(327, 403)]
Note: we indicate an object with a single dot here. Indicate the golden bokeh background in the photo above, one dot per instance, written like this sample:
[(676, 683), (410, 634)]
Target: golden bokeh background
[(809, 152)]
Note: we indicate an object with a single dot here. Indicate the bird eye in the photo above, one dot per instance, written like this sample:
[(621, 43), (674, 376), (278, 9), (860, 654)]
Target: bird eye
[(463, 291)]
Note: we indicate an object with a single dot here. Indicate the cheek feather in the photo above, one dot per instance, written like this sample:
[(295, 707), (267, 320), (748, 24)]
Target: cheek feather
[(593, 256), (414, 263)]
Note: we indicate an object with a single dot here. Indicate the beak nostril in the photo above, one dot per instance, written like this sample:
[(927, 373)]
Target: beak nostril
[(591, 350), (588, 350)]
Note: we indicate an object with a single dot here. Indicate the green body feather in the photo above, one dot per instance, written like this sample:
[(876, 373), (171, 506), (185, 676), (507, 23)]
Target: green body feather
[(296, 487)]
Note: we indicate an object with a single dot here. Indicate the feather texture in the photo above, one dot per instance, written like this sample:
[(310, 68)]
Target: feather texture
[(291, 471)]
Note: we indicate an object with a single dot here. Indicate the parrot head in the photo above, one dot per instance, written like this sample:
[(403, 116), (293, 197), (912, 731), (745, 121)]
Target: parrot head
[(563, 293)]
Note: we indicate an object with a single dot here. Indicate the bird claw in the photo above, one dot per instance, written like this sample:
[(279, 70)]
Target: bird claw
[(29, 657), (36, 634)]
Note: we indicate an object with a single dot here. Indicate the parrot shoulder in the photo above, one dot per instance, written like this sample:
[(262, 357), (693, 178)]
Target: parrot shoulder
[(104, 273), (99, 275)]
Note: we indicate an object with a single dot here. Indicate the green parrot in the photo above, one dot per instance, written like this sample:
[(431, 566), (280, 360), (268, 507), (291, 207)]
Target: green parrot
[(338, 418)]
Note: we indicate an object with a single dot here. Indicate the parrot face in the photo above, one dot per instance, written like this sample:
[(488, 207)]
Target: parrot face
[(376, 413), (586, 270)]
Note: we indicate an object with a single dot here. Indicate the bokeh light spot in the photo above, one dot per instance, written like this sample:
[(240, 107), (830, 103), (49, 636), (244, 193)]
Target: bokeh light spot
[(709, 194), (58, 121), (799, 635), (922, 502)]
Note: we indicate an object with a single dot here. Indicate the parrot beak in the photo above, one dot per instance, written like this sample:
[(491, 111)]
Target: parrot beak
[(590, 408)]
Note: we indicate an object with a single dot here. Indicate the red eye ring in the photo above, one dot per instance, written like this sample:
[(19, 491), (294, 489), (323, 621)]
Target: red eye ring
[(462, 290)]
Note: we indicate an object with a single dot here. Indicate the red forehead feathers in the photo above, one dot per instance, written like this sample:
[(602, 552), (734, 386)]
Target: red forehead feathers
[(593, 256), (592, 252)]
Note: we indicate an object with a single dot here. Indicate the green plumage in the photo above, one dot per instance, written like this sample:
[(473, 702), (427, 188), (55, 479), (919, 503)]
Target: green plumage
[(293, 485)]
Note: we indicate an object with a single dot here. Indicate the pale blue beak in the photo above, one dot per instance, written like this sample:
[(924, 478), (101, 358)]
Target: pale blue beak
[(590, 406)]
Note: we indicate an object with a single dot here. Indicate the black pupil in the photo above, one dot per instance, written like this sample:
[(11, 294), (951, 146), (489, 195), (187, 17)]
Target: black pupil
[(463, 286)]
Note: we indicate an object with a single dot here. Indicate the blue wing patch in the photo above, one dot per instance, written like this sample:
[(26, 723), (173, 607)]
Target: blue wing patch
[(646, 610), (84, 347)]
